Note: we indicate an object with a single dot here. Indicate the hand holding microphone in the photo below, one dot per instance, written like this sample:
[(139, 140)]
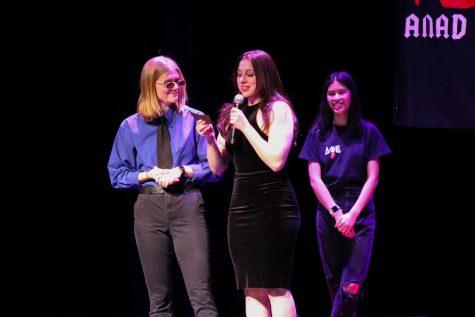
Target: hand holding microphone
[(238, 99)]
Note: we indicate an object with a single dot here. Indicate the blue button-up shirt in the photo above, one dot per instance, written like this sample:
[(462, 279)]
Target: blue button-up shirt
[(135, 149)]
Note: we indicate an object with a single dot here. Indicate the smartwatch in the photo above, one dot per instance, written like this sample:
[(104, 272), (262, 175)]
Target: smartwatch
[(335, 208)]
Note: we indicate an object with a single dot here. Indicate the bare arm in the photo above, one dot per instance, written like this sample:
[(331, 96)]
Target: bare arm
[(348, 220), (369, 187), (218, 158), (273, 152), (318, 186), (324, 196)]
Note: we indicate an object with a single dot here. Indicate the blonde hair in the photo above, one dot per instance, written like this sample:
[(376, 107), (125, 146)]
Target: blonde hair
[(147, 104)]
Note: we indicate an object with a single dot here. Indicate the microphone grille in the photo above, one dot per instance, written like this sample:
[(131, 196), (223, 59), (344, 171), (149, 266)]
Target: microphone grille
[(238, 99)]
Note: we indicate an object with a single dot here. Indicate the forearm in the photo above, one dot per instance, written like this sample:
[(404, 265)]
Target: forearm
[(365, 196), (189, 173), (216, 161), (143, 177), (269, 154), (322, 193)]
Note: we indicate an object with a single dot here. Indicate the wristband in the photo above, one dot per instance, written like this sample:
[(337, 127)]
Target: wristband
[(182, 169)]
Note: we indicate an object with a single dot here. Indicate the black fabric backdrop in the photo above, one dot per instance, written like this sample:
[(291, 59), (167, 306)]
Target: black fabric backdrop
[(87, 57)]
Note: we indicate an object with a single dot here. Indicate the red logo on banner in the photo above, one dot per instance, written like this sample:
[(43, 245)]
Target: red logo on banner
[(453, 26), (454, 4)]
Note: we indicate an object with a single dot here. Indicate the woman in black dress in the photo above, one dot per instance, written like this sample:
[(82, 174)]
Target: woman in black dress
[(264, 215)]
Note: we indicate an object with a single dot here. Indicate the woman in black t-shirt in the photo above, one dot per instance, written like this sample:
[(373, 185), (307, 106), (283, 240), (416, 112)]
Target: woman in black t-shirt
[(343, 153)]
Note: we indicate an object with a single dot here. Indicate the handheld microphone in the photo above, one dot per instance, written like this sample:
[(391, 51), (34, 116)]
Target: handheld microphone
[(238, 99)]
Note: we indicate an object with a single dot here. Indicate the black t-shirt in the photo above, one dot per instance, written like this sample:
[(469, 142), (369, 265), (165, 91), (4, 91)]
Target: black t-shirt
[(343, 158)]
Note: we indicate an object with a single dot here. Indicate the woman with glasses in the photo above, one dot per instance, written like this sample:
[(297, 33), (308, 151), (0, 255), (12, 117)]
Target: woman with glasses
[(264, 216), (158, 151), (343, 153)]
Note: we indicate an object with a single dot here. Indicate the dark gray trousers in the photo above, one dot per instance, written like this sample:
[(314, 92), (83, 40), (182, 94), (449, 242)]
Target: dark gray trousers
[(174, 223)]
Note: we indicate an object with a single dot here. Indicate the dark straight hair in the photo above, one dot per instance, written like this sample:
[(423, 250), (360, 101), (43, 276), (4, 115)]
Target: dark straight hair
[(324, 121)]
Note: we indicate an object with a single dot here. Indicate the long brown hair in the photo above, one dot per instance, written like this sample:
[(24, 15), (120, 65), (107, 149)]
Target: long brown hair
[(268, 87), (155, 67)]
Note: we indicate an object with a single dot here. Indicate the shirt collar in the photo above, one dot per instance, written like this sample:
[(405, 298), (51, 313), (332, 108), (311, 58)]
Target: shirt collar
[(172, 112)]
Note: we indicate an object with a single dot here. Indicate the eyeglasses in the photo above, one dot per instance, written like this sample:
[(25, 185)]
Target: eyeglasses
[(173, 84)]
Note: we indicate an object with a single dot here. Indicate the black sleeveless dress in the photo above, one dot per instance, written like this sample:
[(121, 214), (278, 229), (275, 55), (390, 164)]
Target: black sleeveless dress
[(263, 219)]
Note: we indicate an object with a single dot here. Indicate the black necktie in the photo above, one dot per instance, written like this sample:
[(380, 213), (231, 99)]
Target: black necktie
[(164, 153)]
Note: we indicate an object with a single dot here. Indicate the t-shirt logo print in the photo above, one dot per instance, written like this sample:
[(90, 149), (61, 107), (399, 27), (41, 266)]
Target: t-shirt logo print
[(332, 150)]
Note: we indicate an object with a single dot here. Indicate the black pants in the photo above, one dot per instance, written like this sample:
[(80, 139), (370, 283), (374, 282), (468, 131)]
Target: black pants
[(167, 224), (345, 260)]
